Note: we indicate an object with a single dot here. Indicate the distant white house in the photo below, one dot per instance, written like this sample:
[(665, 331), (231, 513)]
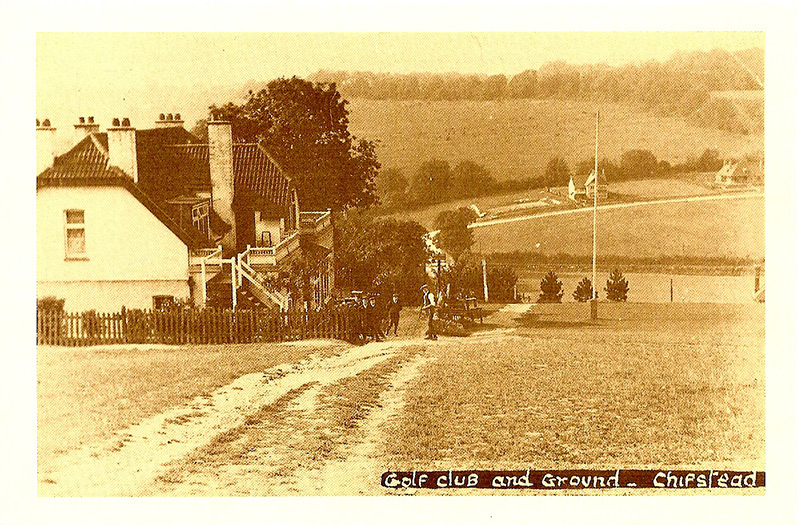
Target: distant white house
[(740, 174), (602, 186), (587, 192)]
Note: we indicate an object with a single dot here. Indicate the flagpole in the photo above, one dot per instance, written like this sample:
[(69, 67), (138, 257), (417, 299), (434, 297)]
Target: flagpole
[(594, 220)]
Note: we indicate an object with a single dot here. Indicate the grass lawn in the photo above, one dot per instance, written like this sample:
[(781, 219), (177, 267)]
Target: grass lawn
[(681, 186), (85, 394), (725, 228), (648, 386), (516, 138)]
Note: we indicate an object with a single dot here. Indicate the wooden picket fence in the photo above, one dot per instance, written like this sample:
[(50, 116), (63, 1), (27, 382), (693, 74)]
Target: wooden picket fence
[(208, 326)]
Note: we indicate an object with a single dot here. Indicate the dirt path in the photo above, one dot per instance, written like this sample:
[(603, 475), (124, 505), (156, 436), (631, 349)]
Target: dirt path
[(312, 427), (128, 463), (138, 460)]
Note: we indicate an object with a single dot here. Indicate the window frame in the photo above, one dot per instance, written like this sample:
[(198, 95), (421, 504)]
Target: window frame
[(81, 226), (203, 221)]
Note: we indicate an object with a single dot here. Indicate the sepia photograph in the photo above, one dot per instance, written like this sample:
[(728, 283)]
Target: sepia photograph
[(403, 263), (322, 271)]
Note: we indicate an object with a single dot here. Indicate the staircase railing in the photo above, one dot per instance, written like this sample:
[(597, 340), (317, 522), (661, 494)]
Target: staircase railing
[(256, 285), (271, 255), (207, 256)]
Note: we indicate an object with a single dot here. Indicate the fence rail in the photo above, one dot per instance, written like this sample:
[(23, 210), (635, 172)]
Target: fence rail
[(207, 326)]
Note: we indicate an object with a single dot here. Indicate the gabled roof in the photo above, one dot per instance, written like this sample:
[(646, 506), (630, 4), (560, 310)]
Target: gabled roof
[(171, 162), (87, 159), (258, 177), (114, 176), (590, 179)]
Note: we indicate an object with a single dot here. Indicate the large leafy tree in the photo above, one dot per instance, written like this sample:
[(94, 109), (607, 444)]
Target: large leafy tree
[(557, 172), (432, 182), (392, 186), (454, 237), (387, 255), (304, 125)]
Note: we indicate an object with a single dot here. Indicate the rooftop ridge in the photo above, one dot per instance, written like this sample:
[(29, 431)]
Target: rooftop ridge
[(99, 145)]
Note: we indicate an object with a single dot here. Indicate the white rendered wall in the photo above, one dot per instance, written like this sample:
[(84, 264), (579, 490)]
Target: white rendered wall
[(125, 244)]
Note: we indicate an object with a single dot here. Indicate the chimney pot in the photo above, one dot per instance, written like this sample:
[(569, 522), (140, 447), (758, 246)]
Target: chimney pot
[(126, 122), (91, 120), (161, 116), (45, 143), (115, 122), (169, 117), (177, 116), (82, 120)]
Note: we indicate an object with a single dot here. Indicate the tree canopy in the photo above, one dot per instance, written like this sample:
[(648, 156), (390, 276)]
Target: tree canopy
[(557, 172), (386, 256), (454, 236), (304, 125)]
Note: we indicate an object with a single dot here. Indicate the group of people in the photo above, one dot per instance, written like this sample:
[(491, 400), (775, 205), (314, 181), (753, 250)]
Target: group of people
[(375, 316)]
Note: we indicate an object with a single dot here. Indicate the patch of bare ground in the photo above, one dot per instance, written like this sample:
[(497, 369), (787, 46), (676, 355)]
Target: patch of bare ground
[(321, 439), (127, 463)]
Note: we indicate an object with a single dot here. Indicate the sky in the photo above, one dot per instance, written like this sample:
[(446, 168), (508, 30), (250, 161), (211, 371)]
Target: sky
[(139, 75)]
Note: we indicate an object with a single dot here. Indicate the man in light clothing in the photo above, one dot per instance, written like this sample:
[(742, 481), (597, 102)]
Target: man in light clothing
[(429, 307)]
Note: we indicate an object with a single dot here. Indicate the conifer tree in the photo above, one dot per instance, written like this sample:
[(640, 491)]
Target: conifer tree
[(617, 287), (584, 290), (551, 289)]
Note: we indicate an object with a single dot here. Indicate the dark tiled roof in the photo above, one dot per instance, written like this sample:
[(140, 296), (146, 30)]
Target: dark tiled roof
[(87, 159), (172, 162), (116, 177), (258, 177)]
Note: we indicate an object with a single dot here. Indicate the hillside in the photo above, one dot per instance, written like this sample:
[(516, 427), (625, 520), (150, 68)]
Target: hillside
[(516, 138), (726, 228)]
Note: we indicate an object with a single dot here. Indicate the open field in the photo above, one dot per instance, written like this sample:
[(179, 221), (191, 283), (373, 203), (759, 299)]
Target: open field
[(85, 395), (650, 385), (516, 138), (725, 228), (427, 216), (686, 185), (536, 387), (663, 188)]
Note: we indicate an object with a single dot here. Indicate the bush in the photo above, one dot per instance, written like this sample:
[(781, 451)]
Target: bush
[(50, 303), (551, 289), (617, 287), (584, 290)]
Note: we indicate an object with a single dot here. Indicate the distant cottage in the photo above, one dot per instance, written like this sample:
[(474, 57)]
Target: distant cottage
[(740, 174), (587, 192), (144, 217)]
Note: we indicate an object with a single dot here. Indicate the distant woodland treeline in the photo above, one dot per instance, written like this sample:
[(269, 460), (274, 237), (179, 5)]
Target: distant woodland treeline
[(437, 181), (680, 86)]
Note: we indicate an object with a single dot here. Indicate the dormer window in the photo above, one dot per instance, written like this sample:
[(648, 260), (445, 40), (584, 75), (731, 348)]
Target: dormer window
[(74, 234)]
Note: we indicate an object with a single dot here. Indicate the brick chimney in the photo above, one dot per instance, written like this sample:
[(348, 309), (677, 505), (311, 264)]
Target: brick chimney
[(84, 127), (122, 147), (45, 145), (169, 121), (220, 160)]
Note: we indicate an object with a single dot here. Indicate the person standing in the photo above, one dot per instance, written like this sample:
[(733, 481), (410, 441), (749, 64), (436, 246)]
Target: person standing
[(374, 320), (429, 307), (394, 314)]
